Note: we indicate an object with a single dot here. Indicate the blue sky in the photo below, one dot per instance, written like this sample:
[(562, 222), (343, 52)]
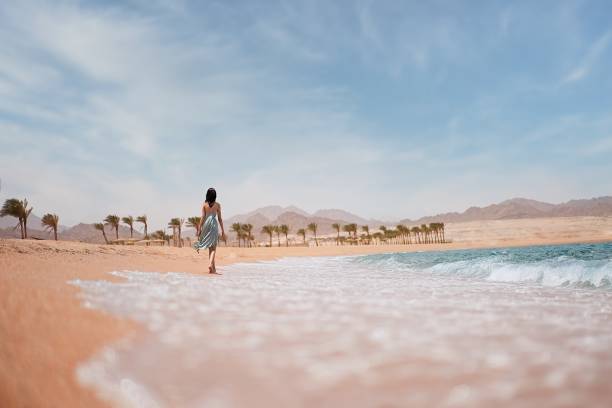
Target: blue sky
[(387, 109)]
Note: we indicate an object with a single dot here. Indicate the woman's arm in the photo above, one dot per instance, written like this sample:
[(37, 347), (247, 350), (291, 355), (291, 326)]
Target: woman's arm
[(221, 222)]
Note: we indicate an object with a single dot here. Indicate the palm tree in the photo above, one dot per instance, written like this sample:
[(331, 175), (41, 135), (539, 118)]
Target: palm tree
[(237, 228), (129, 221), (248, 228), (50, 222), (433, 227), (347, 229), (277, 231), (394, 234), (143, 219), (384, 231), (194, 222), (353, 229), (416, 231), (378, 236), (407, 232), (302, 232), (18, 209), (172, 225), (337, 227), (100, 227), (439, 230), (113, 221), (425, 232), (313, 228), (176, 224), (284, 229), (11, 208), (401, 230), (268, 229), (366, 229), (161, 234), (25, 213)]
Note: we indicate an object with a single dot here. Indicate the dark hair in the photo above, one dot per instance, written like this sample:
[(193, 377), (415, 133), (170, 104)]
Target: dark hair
[(211, 196)]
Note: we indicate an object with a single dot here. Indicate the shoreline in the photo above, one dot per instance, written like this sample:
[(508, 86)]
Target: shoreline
[(47, 329)]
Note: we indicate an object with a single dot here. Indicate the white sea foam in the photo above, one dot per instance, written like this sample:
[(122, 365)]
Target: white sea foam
[(556, 272), (356, 332)]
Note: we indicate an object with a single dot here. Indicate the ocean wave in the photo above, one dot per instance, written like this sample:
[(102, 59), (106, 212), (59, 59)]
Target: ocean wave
[(556, 272), (584, 266)]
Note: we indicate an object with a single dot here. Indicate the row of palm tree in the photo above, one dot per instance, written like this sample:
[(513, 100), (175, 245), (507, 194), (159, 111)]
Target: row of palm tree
[(423, 234), (284, 229), (244, 233), (277, 229), (114, 221), (176, 224)]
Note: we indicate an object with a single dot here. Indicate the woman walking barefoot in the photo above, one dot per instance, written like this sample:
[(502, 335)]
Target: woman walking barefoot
[(208, 230)]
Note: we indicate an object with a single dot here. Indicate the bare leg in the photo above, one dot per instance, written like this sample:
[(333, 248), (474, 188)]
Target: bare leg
[(211, 260)]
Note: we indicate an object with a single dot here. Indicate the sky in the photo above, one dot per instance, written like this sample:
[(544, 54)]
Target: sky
[(388, 109)]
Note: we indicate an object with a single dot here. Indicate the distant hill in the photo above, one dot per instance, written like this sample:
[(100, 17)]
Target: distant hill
[(296, 218), (518, 208), (270, 212), (341, 215)]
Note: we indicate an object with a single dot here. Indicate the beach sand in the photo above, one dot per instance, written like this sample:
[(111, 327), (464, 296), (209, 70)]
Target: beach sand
[(45, 332)]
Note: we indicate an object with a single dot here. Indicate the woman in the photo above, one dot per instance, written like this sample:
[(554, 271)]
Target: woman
[(208, 230)]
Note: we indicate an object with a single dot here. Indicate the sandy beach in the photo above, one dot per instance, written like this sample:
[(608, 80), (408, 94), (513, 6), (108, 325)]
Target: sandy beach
[(46, 332)]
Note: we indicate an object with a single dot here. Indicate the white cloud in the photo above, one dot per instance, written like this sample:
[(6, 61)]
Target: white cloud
[(592, 56)]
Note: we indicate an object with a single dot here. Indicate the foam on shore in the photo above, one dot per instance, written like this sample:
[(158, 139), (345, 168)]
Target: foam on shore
[(437, 329)]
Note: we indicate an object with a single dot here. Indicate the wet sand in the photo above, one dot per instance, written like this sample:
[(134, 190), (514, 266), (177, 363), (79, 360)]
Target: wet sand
[(46, 332)]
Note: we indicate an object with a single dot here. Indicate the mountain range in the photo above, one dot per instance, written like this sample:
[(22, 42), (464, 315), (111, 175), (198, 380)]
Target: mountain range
[(297, 218), (518, 208)]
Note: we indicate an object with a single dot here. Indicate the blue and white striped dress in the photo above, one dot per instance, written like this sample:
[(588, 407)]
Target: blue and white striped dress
[(209, 236)]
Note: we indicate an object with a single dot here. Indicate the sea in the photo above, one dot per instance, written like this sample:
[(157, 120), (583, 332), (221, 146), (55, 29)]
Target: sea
[(520, 327)]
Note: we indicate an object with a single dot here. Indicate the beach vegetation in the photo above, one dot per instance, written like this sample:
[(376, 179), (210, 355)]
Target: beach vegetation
[(176, 224), (14, 207), (268, 229), (143, 220), (50, 222), (237, 228), (129, 221), (161, 235), (277, 232), (284, 229), (247, 230), (100, 227), (113, 221), (194, 222), (302, 233), (378, 237), (337, 227), (312, 227), (366, 229)]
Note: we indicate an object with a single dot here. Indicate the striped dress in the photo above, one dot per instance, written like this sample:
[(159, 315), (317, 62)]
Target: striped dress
[(209, 236)]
